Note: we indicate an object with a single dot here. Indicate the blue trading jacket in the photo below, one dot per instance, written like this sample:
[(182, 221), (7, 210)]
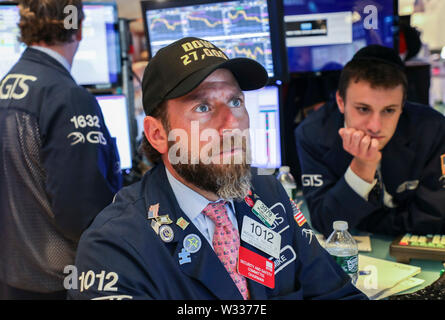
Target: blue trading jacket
[(59, 168), (411, 170), (121, 245)]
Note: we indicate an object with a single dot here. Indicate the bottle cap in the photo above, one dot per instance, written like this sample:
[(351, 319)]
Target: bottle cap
[(284, 169), (340, 225)]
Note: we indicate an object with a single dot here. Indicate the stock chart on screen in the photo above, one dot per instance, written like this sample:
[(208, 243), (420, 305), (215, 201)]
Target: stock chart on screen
[(239, 28)]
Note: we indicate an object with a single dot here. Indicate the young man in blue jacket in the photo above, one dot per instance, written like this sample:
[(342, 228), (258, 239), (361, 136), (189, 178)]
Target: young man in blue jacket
[(202, 224), (59, 165), (372, 158)]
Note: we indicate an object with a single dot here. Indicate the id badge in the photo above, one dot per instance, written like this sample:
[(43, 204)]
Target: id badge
[(261, 237), (264, 213), (256, 267)]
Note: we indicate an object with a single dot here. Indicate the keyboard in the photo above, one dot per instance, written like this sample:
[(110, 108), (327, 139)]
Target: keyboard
[(435, 291), (409, 246)]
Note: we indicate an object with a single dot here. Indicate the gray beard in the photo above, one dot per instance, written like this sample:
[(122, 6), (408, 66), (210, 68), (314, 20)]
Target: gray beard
[(229, 182)]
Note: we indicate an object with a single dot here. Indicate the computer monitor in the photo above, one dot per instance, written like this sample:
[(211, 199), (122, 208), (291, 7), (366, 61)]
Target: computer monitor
[(263, 106), (114, 110), (323, 35), (97, 62), (10, 47), (242, 28)]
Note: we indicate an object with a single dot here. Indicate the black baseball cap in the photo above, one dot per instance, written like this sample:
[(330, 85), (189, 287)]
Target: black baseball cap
[(181, 66), (375, 52)]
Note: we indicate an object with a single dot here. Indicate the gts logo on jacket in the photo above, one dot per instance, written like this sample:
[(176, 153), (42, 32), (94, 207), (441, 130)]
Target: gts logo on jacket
[(312, 180), (14, 86)]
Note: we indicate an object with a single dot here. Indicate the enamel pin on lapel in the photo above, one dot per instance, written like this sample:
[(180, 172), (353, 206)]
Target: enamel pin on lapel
[(164, 219), (166, 233), (249, 200), (160, 224), (298, 215), (153, 211), (192, 243), (182, 223), (184, 257), (157, 222)]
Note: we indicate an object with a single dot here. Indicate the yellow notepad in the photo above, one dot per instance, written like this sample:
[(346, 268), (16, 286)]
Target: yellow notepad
[(402, 286), (384, 275)]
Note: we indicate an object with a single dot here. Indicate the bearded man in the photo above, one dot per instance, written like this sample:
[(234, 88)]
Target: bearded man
[(202, 224)]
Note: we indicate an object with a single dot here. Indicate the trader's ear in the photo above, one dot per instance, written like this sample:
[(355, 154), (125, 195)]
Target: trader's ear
[(155, 133), (79, 32), (340, 102)]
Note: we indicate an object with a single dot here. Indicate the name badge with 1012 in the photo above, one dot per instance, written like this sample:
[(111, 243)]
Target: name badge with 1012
[(261, 237)]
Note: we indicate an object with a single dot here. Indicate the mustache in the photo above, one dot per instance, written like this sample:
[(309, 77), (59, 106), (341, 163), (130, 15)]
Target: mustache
[(231, 181), (209, 147), (231, 143)]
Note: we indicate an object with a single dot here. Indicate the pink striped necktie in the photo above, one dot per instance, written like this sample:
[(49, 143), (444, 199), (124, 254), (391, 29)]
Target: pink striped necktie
[(226, 243)]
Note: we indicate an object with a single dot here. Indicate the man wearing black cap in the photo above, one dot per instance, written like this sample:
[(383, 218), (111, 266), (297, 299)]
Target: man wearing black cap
[(373, 159), (201, 224)]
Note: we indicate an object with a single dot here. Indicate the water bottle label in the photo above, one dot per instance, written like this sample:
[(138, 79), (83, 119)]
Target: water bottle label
[(348, 264)]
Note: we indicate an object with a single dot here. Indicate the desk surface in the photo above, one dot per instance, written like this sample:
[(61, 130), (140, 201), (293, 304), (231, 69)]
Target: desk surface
[(380, 249), (430, 269)]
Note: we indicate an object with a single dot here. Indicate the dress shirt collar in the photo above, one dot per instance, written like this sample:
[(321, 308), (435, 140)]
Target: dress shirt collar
[(191, 202), (55, 55)]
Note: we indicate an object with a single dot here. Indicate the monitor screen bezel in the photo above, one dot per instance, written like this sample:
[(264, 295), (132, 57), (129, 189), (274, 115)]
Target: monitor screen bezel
[(108, 85), (9, 3), (282, 129), (111, 96), (277, 35), (281, 123), (118, 82)]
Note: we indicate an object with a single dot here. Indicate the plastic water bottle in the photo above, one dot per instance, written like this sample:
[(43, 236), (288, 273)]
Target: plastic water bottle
[(342, 246), (288, 182)]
